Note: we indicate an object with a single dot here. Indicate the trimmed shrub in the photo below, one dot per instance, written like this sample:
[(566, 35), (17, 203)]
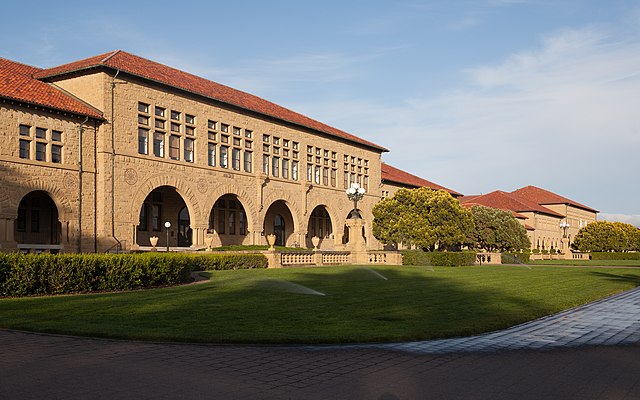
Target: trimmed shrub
[(39, 274), (510, 257), (441, 258), (614, 256)]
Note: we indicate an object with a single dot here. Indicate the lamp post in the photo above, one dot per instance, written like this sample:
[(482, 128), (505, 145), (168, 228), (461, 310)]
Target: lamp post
[(167, 225), (565, 226), (355, 193)]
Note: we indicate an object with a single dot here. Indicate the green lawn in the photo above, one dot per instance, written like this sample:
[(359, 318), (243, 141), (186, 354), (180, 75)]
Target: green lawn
[(358, 305), (613, 263)]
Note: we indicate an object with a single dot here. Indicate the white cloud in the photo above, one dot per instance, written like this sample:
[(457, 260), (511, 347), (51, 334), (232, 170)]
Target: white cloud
[(562, 116), (627, 219)]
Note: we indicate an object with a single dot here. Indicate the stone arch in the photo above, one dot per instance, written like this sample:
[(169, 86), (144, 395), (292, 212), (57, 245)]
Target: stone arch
[(292, 204), (157, 181), (66, 210), (326, 241), (249, 205)]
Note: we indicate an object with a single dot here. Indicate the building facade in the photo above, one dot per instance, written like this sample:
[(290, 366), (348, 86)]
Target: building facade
[(548, 217), (100, 153)]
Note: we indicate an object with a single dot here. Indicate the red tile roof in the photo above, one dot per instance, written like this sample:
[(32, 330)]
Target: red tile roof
[(507, 201), (393, 174), (150, 70), (542, 197), (17, 83)]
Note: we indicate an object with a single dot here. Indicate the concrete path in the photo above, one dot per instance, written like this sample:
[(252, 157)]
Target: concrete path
[(565, 365)]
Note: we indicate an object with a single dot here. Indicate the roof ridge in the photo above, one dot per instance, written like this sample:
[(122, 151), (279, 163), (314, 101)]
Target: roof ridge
[(107, 58), (21, 63)]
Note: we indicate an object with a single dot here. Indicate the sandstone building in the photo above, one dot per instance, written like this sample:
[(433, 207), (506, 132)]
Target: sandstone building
[(100, 153), (547, 216)]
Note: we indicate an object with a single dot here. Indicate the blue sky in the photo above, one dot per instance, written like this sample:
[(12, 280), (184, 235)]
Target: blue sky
[(473, 95)]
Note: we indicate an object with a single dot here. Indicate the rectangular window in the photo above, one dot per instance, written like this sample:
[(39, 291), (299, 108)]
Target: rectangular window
[(143, 141), (221, 222), (366, 183), (159, 124), (158, 144), (235, 159), (224, 139), (295, 155), (56, 136), (317, 175), (248, 134), (232, 222), (334, 175), (211, 155), (237, 142), (188, 150), (174, 147), (142, 107), (248, 144), (41, 133), (175, 115), (159, 111), (25, 130), (243, 222), (41, 151), (189, 119), (143, 120), (276, 140), (265, 164), (346, 180), (295, 145), (224, 128), (35, 220), (212, 125), (275, 166), (309, 172), (285, 143), (189, 130), (325, 176), (224, 156), (265, 138), (285, 168), (22, 220), (25, 149), (144, 216), (175, 127), (156, 217), (212, 136), (294, 170), (237, 131), (247, 161), (56, 153)]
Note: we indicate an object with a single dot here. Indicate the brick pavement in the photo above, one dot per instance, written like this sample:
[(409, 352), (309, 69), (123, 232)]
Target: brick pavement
[(38, 366)]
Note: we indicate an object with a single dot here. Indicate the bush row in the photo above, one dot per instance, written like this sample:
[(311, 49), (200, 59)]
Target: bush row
[(441, 258), (614, 256), (510, 257), (38, 274)]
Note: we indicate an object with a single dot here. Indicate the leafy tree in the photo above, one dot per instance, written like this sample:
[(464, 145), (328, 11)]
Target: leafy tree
[(496, 230), (422, 217), (608, 236)]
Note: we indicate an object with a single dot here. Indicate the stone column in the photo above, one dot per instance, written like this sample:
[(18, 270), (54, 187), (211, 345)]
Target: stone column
[(357, 245)]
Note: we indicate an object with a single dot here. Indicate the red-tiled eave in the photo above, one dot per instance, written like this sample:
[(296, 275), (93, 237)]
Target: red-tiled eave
[(393, 174), (542, 197), (17, 84), (507, 201), (153, 71)]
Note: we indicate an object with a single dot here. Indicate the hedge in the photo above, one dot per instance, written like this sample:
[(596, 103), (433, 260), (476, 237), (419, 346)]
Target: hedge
[(614, 256), (441, 258), (40, 274), (509, 257)]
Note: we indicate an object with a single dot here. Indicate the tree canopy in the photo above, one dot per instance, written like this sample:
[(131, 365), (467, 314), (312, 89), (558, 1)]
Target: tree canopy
[(608, 236), (496, 230), (422, 217)]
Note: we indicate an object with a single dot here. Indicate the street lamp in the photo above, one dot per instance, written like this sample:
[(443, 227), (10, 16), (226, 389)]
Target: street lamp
[(355, 193), (565, 226), (167, 225)]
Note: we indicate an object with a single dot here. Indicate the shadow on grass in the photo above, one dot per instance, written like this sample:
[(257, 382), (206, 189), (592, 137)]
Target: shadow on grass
[(356, 305)]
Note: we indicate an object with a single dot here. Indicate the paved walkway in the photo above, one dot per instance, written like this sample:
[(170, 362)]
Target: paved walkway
[(36, 366)]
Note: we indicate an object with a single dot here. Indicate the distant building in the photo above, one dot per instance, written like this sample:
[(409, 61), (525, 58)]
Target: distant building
[(541, 212), (394, 179)]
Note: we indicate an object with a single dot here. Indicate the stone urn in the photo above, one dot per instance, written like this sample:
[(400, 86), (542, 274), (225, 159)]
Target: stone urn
[(210, 240), (315, 241), (271, 241), (154, 242)]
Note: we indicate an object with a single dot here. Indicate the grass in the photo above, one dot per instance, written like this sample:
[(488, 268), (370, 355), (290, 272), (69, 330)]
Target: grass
[(603, 263), (266, 306)]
